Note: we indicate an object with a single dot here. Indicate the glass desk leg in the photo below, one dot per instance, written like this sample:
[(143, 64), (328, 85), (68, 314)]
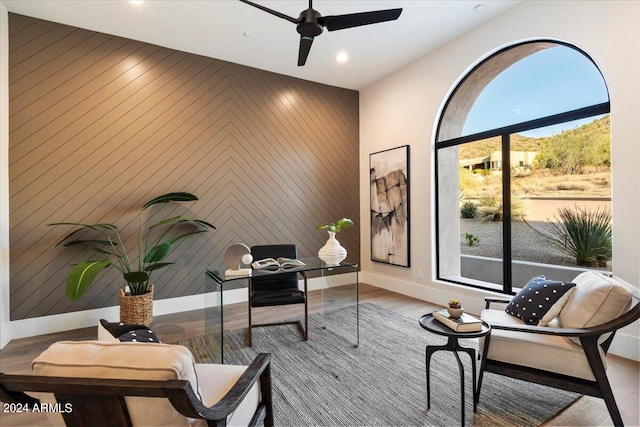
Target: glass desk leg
[(213, 312), (340, 308)]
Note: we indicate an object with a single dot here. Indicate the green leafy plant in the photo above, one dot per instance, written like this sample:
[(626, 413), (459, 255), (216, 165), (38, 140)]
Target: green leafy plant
[(471, 239), (454, 303), (337, 226), (491, 208), (105, 239), (583, 234), (468, 210)]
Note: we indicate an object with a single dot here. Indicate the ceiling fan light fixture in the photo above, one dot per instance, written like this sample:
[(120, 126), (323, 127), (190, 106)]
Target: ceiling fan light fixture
[(342, 57)]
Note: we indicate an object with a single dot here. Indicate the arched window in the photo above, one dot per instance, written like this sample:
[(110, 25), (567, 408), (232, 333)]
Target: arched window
[(522, 158)]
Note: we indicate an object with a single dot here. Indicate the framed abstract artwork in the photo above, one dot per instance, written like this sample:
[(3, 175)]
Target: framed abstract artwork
[(389, 184)]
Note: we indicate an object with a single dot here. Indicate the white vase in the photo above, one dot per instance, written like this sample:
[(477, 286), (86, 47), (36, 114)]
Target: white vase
[(332, 253)]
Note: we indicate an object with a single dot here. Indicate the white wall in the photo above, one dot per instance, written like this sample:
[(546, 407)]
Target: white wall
[(5, 330), (403, 108)]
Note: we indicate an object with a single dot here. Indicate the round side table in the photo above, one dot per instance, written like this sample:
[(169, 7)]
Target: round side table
[(432, 325)]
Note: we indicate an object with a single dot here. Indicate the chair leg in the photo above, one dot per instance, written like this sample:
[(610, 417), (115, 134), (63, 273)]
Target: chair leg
[(483, 364), (250, 324), (306, 310), (590, 346), (267, 396)]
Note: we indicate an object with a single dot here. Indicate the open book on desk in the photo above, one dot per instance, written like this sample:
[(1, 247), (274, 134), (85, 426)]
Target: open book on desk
[(464, 323), (277, 263)]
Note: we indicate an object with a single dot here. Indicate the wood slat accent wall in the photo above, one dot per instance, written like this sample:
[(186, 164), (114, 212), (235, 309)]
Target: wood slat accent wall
[(100, 124)]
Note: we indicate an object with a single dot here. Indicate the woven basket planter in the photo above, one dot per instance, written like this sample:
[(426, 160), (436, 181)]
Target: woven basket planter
[(136, 309)]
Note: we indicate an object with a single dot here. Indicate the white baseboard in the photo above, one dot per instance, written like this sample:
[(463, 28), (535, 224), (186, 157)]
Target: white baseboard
[(625, 344), (438, 293), (87, 318)]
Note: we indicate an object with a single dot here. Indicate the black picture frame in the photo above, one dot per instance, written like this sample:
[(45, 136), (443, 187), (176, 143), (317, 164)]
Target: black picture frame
[(389, 206)]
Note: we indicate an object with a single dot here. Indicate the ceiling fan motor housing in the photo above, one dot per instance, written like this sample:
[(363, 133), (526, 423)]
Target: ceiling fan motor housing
[(309, 25)]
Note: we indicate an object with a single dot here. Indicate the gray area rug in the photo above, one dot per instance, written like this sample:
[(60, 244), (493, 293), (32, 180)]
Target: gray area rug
[(327, 382)]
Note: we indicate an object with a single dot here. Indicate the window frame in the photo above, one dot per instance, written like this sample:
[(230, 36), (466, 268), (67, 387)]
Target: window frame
[(504, 132)]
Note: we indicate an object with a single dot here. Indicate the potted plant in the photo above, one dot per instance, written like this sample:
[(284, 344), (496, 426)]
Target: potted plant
[(105, 239), (332, 253), (455, 308)]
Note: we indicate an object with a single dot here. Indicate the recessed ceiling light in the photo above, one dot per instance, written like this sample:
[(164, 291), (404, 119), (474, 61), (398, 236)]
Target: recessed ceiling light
[(136, 1), (342, 57)]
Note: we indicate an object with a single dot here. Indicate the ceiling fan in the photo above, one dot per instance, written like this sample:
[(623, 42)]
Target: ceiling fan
[(311, 24)]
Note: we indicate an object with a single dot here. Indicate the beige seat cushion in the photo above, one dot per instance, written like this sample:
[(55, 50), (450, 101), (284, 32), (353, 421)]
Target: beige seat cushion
[(148, 361), (545, 352), (598, 298)]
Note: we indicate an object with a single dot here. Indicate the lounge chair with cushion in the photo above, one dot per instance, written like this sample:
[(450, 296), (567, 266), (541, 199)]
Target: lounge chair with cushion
[(560, 340), (141, 384)]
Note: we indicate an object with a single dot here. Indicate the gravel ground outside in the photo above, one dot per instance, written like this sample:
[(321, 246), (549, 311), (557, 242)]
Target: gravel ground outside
[(528, 244)]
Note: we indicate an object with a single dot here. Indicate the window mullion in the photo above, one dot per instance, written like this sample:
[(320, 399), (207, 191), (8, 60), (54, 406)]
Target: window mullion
[(506, 213)]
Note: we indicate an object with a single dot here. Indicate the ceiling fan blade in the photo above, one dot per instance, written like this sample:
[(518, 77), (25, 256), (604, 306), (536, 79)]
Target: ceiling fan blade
[(271, 11), (305, 47), (341, 22)]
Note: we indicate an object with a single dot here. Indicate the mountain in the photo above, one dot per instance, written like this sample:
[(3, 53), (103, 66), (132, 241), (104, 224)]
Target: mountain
[(597, 131)]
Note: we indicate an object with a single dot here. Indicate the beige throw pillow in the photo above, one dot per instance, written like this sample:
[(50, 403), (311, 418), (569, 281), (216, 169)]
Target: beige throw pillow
[(598, 298)]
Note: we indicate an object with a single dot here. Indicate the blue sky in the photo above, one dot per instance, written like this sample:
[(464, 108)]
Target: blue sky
[(548, 82)]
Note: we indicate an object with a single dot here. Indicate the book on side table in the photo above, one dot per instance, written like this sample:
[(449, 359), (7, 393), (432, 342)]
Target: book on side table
[(464, 323)]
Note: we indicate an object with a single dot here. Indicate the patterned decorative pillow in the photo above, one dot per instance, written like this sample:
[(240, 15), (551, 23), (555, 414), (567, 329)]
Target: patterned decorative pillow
[(125, 332), (537, 298), (139, 335)]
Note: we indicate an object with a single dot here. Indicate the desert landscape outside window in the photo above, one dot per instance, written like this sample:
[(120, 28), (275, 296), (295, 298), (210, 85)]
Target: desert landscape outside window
[(523, 169)]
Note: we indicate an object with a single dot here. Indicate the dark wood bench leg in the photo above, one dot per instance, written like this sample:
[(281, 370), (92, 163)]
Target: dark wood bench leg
[(590, 346)]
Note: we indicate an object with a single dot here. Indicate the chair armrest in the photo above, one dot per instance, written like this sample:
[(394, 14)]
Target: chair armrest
[(617, 323), (544, 330), (502, 300), (230, 401), (10, 396)]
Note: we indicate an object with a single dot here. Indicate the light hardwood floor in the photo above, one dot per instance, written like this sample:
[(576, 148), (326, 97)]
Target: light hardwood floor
[(624, 374)]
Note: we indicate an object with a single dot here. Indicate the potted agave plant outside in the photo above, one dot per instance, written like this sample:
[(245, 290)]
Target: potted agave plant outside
[(136, 305), (332, 253)]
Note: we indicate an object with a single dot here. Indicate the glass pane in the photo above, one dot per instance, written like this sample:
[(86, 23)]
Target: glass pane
[(469, 212), (561, 175), (340, 309), (526, 82)]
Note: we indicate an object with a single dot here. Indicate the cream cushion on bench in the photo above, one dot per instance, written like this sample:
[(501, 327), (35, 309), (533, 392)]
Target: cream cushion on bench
[(546, 352), (145, 361), (598, 298)]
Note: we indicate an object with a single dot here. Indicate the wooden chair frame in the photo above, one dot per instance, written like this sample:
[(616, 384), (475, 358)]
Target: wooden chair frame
[(100, 402), (588, 338)]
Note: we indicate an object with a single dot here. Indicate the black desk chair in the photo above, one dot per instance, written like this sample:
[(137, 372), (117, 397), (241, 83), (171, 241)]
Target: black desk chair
[(281, 289)]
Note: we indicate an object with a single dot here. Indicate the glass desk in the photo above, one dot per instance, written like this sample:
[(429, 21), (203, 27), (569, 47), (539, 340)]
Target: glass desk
[(337, 286)]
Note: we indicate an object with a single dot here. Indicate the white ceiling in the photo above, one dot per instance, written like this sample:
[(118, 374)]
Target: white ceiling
[(217, 28)]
